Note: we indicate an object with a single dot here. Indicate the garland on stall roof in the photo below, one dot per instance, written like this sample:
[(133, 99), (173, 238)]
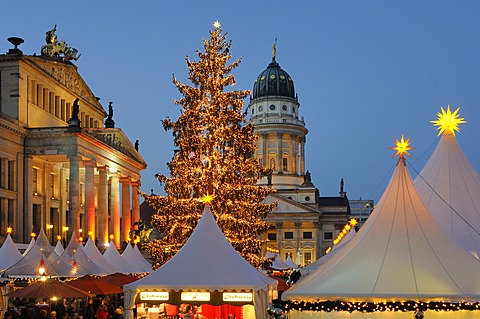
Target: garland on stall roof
[(404, 306)]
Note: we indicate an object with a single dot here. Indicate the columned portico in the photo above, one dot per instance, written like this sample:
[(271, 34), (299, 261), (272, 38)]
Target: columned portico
[(90, 198), (102, 210), (126, 213), (115, 207), (135, 201), (73, 216)]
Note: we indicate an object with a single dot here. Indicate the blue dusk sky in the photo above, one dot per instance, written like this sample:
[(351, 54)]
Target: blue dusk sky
[(366, 72)]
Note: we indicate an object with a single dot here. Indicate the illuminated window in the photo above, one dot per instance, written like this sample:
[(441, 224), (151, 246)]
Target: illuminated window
[(52, 185), (285, 164), (35, 181), (288, 235), (307, 258)]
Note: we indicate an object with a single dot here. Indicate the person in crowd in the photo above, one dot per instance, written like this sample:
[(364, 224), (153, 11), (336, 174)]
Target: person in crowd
[(102, 312), (7, 315), (42, 314), (53, 314)]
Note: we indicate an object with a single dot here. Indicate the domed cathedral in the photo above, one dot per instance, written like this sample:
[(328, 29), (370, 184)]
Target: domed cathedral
[(304, 224)]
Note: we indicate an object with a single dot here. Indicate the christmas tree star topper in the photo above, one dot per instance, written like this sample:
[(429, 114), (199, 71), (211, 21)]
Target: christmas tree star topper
[(402, 147), (216, 24), (447, 121)]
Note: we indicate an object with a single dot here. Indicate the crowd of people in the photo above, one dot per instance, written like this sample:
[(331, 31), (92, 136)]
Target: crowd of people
[(99, 307)]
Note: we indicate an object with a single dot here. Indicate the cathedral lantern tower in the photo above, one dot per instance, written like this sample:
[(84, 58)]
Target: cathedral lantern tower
[(274, 113)]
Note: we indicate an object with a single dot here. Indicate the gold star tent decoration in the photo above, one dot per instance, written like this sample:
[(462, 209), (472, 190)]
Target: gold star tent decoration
[(207, 199), (448, 122), (402, 147), (216, 24)]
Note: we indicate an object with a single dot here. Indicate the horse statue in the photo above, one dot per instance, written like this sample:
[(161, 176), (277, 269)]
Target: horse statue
[(143, 232)]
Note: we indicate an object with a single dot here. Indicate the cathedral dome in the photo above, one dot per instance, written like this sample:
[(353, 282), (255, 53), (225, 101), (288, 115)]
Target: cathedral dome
[(273, 82)]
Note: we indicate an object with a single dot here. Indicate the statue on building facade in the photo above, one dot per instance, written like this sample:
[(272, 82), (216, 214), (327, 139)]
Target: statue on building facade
[(109, 122), (54, 48)]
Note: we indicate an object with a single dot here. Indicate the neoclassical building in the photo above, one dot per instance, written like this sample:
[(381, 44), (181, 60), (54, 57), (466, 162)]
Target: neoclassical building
[(304, 224), (64, 166)]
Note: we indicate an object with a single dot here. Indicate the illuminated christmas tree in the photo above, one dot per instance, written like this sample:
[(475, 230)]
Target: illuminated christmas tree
[(214, 157)]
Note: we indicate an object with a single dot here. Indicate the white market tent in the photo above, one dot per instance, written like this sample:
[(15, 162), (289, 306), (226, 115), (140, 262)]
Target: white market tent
[(450, 187), (289, 262), (96, 256), (134, 258), (75, 255), (41, 254), (399, 254), (59, 248), (278, 262), (113, 257), (207, 262), (9, 254)]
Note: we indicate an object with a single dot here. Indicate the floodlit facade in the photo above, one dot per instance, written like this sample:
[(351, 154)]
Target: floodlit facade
[(304, 224), (64, 165)]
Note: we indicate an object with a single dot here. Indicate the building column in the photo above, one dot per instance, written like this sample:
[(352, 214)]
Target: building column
[(265, 162), (90, 198), (27, 218), (126, 212), (279, 152), (279, 237), (318, 240), (102, 213), (115, 206), (294, 154), (73, 218), (298, 225), (135, 201), (302, 156)]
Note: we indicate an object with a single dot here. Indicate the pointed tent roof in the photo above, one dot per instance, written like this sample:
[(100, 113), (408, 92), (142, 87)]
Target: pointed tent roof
[(75, 255), (59, 248), (41, 254), (450, 187), (399, 237), (94, 254), (290, 263), (207, 252), (137, 262), (9, 254), (113, 257), (278, 262), (146, 267), (30, 245)]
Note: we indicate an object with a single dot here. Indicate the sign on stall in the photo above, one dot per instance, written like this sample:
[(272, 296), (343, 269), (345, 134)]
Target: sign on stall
[(237, 296), (195, 296), (154, 295)]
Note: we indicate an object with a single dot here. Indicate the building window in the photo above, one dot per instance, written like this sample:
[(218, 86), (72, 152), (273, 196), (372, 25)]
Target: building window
[(284, 107), (35, 181), (285, 164), (272, 107), (288, 235), (11, 175), (328, 235), (307, 258), (307, 235), (52, 185), (272, 236), (260, 108)]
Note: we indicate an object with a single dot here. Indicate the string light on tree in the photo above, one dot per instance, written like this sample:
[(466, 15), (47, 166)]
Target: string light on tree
[(213, 157), (448, 122)]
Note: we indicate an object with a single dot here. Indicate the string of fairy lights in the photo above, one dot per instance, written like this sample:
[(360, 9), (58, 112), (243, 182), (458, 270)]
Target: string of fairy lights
[(368, 307)]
